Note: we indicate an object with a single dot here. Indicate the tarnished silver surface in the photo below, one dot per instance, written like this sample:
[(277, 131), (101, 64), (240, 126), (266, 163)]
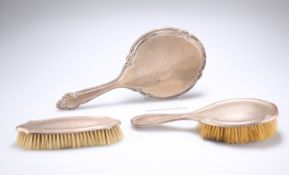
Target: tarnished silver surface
[(227, 113), (162, 63), (68, 125)]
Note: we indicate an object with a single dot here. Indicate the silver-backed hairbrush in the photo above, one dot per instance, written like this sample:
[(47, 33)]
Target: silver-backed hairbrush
[(232, 121), (68, 132)]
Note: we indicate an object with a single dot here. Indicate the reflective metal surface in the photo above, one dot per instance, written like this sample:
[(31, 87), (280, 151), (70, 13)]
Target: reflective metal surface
[(227, 113), (68, 125), (162, 63)]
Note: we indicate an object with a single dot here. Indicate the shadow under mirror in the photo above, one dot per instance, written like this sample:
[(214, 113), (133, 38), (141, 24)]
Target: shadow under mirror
[(140, 100)]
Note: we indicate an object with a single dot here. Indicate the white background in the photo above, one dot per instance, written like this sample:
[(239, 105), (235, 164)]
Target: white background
[(48, 48)]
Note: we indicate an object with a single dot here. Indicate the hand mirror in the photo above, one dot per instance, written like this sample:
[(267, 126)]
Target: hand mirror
[(162, 63)]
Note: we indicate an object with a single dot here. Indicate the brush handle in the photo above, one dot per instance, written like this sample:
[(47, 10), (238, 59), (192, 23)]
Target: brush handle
[(149, 120), (74, 99)]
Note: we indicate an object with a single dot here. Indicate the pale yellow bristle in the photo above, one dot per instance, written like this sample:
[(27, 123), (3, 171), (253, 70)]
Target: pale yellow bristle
[(239, 135), (38, 141)]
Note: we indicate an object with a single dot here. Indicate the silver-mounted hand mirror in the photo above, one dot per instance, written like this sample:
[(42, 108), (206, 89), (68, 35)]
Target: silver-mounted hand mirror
[(162, 63)]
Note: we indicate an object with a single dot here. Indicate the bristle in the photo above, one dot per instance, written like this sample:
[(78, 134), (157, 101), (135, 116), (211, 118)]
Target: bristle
[(37, 141), (239, 135)]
